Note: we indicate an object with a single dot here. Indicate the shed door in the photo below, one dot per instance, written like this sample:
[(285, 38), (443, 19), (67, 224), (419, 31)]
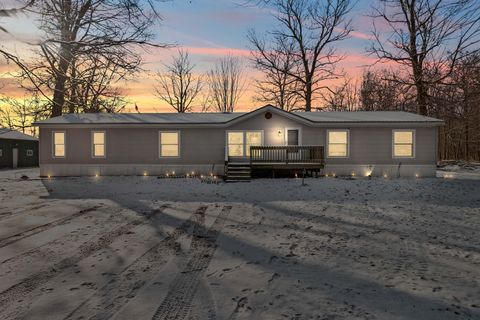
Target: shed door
[(292, 137), (15, 157)]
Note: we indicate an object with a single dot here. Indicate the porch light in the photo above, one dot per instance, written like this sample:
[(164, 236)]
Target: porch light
[(279, 132)]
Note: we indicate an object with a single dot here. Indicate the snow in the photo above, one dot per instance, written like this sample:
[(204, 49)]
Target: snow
[(148, 248)]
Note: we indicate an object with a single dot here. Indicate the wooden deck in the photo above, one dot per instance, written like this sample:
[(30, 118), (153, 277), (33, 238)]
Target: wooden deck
[(287, 157)]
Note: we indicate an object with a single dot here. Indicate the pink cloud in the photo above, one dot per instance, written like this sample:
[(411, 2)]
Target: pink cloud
[(361, 35), (217, 51)]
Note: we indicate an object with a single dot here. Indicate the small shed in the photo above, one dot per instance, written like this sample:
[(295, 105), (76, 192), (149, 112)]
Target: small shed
[(17, 149)]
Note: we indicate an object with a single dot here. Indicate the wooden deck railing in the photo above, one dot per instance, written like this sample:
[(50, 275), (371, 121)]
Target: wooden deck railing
[(286, 154)]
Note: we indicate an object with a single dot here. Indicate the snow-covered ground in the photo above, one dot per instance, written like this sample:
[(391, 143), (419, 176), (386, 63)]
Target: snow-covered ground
[(148, 248)]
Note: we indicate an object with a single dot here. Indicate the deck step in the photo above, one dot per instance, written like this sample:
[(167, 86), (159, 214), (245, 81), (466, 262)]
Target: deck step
[(238, 172)]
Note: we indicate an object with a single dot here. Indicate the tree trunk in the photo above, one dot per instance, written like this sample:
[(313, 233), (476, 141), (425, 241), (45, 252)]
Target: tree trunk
[(60, 80), (421, 98), (308, 96)]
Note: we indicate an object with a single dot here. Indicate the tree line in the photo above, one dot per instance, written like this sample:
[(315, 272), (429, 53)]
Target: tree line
[(430, 49)]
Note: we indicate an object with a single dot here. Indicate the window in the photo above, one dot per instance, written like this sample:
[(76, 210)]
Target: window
[(253, 138), (337, 143), (59, 144), (1, 152), (29, 153), (239, 142), (403, 143), (98, 144), (169, 144), (235, 144)]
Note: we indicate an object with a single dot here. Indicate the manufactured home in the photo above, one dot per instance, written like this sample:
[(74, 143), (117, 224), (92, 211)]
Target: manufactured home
[(17, 149), (376, 143)]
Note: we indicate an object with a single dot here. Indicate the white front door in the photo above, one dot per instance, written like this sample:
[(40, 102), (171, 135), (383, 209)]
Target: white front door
[(15, 157)]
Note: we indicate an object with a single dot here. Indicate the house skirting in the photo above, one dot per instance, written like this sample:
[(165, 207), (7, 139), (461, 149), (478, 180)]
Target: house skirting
[(380, 170), (65, 170)]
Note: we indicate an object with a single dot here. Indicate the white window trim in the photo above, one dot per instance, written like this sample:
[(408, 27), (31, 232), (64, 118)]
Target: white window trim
[(244, 132), (285, 138), (64, 144), (160, 144), (414, 144), (92, 145), (328, 144)]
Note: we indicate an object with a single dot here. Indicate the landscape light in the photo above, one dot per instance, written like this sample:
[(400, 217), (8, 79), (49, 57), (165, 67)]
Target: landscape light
[(167, 174), (96, 175), (353, 174), (187, 175), (416, 175), (49, 176), (385, 175), (145, 174), (296, 175), (173, 173)]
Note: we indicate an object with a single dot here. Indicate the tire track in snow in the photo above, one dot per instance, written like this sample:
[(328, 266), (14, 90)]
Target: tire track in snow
[(135, 276), (29, 284), (33, 231), (178, 302)]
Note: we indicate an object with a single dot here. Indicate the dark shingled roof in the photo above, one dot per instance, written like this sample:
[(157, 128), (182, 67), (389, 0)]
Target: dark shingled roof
[(15, 135), (221, 118)]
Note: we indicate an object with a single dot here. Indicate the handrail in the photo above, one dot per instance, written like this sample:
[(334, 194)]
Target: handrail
[(286, 154)]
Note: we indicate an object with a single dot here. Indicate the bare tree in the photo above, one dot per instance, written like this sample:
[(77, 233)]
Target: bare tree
[(382, 90), (22, 113), (74, 30), (277, 86), (226, 83), (313, 27), (425, 35), (343, 97), (178, 86)]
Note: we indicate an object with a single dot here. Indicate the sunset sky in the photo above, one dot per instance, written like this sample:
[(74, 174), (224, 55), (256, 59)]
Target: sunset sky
[(208, 30)]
